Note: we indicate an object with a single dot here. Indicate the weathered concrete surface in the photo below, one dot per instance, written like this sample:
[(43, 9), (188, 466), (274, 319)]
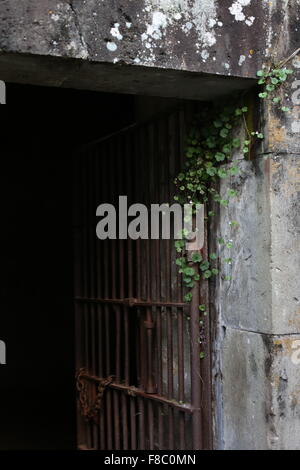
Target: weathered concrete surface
[(257, 334), (266, 246), (261, 391), (229, 38)]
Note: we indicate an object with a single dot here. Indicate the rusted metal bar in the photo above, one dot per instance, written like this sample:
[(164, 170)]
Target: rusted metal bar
[(131, 302), (195, 370), (137, 392)]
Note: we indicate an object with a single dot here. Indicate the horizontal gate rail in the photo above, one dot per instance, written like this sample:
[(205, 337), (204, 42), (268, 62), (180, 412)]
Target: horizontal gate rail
[(133, 391), (132, 302)]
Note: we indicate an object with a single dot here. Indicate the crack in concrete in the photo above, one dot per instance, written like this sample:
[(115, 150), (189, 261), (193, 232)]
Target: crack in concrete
[(78, 27)]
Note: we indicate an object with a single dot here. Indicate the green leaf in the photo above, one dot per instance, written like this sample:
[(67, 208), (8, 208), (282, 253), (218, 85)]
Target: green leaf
[(202, 308), (236, 143), (260, 73), (244, 109), (188, 297), (207, 274), (202, 355), (221, 241), (274, 80), (276, 100), (228, 260), (234, 170), (196, 257), (270, 87), (226, 148), (189, 271), (213, 256), (229, 245), (222, 173), (263, 95), (227, 278), (260, 135), (180, 261), (285, 109), (215, 271), (220, 156), (224, 132), (218, 123), (262, 81), (224, 202), (204, 266), (232, 192)]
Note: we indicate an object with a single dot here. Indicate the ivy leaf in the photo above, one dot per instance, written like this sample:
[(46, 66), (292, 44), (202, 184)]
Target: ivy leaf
[(207, 274), (285, 109), (236, 143), (204, 266), (234, 170), (202, 355), (263, 95), (224, 202), (211, 171), (180, 261), (276, 100), (260, 73), (226, 148), (202, 308), (224, 132), (189, 271), (196, 257), (218, 123), (222, 173), (215, 271), (188, 297), (232, 192), (213, 256), (270, 87), (220, 156)]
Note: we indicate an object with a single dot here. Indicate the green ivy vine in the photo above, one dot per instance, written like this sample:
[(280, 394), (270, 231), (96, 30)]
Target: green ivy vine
[(213, 139)]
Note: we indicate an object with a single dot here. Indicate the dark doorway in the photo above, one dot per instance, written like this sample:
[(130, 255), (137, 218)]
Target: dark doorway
[(37, 386), (38, 137)]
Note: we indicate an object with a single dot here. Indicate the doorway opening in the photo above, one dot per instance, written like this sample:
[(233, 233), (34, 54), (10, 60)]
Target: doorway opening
[(140, 381)]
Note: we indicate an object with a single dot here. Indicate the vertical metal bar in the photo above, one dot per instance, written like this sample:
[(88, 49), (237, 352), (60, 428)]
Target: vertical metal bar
[(195, 369), (106, 247), (100, 197), (141, 423), (133, 424)]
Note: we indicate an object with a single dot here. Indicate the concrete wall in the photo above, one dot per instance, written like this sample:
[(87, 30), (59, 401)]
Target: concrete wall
[(257, 348), (179, 48)]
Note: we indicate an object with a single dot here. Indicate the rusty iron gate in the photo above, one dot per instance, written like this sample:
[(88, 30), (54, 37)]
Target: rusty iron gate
[(140, 379)]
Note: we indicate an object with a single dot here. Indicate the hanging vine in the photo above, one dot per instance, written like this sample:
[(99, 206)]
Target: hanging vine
[(211, 142)]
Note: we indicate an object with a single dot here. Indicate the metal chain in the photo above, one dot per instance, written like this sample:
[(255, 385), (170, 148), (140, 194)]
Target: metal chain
[(90, 410)]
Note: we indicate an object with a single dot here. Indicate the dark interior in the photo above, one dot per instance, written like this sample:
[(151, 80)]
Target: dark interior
[(39, 136)]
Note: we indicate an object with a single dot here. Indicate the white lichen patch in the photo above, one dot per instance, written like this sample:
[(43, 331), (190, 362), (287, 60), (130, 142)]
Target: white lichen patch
[(54, 17), (242, 60), (111, 46), (115, 32), (205, 55), (199, 18), (237, 10)]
